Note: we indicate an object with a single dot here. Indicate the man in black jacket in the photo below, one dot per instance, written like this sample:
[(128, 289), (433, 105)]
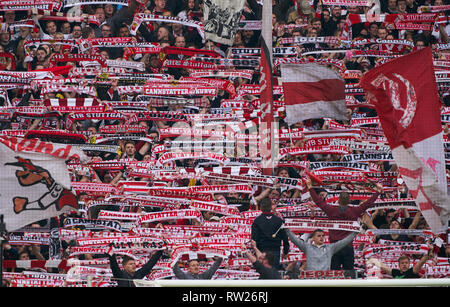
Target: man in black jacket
[(125, 277), (267, 234)]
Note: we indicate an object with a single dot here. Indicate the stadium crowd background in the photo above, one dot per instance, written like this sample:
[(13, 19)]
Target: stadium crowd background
[(289, 20)]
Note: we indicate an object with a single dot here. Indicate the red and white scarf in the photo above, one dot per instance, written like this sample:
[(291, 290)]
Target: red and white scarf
[(170, 215), (24, 5), (308, 225), (141, 17)]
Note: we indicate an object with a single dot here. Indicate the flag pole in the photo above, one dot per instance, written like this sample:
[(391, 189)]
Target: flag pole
[(267, 27), (267, 121)]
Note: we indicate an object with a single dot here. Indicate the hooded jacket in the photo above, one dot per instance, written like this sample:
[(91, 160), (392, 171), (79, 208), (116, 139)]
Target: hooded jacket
[(263, 227)]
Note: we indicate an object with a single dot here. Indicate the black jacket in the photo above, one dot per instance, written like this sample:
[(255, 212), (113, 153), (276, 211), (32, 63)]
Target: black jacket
[(126, 280), (265, 272), (263, 227)]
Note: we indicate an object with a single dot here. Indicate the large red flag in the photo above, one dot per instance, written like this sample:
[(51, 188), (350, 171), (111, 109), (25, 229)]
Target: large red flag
[(312, 91), (405, 96)]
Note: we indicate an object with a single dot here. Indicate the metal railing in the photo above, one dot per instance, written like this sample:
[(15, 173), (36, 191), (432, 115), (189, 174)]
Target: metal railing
[(419, 282)]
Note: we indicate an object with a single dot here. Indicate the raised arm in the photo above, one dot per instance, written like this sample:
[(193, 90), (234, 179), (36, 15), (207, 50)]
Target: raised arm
[(367, 220), (416, 220), (285, 239), (421, 262), (297, 242), (317, 199), (212, 270), (146, 268), (36, 251), (337, 246), (178, 272), (122, 15), (381, 265), (369, 203), (255, 249), (143, 150), (117, 272), (263, 194), (443, 34), (252, 258)]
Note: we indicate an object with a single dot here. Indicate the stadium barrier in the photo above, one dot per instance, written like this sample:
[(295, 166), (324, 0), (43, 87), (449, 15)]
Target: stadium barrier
[(419, 282)]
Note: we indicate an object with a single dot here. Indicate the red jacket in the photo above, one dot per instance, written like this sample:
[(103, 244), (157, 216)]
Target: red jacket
[(351, 213)]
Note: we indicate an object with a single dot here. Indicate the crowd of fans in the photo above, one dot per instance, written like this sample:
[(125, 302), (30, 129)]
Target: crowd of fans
[(31, 40)]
